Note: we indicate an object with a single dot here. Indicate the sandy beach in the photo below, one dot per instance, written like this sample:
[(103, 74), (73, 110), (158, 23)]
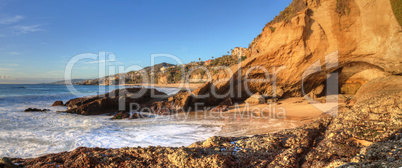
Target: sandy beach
[(294, 108), (243, 119)]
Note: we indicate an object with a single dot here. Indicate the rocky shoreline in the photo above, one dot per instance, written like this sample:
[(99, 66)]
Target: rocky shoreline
[(366, 132), (359, 136), (331, 47)]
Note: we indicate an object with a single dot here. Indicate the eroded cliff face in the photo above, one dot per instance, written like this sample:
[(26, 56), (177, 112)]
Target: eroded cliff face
[(359, 40)]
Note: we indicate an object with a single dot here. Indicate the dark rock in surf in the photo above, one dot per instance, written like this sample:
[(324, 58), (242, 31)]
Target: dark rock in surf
[(117, 100), (6, 162), (121, 115), (58, 103), (35, 110)]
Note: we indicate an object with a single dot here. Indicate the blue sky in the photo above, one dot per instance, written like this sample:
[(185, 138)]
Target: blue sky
[(38, 38)]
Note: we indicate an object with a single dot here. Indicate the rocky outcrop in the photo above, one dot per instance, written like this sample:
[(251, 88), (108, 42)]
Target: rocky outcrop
[(256, 99), (369, 134), (35, 110), (6, 163), (358, 39), (362, 127), (177, 103), (117, 100), (359, 42), (58, 103), (377, 88)]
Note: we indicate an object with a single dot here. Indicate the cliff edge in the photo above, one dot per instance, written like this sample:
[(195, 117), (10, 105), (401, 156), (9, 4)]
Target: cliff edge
[(359, 40)]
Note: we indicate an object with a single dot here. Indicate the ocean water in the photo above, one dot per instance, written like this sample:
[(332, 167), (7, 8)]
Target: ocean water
[(34, 134)]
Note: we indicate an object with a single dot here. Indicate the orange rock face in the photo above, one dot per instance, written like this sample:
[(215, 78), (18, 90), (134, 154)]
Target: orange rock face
[(294, 57)]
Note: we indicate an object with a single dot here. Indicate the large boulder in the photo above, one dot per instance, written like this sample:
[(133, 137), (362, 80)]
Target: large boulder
[(117, 100), (74, 103), (96, 107), (58, 103), (378, 87), (182, 99), (256, 99), (176, 103)]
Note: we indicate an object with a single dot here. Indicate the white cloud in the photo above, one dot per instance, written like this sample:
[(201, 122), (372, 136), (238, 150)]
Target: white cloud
[(5, 69), (27, 29), (17, 29), (11, 20)]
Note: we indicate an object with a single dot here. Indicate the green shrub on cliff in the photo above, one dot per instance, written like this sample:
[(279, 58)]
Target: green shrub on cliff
[(342, 7), (225, 60), (289, 12), (242, 58), (397, 8), (272, 29), (174, 75)]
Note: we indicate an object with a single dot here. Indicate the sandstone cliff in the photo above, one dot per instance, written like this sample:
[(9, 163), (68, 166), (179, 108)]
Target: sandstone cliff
[(359, 40)]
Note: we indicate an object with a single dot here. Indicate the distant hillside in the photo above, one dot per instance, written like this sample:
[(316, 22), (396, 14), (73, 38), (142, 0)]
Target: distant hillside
[(62, 82), (158, 66), (131, 76), (165, 73)]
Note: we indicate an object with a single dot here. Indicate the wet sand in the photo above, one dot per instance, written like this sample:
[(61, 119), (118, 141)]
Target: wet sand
[(251, 119)]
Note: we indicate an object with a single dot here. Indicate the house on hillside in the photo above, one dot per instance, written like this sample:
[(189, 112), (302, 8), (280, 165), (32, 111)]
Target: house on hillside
[(206, 63), (193, 63), (238, 52), (163, 69), (152, 72)]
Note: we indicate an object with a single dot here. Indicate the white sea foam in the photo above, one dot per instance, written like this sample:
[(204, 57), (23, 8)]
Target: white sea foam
[(35, 134)]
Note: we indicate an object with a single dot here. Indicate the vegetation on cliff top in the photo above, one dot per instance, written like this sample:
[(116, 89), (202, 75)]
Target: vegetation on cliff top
[(289, 12), (286, 15), (272, 29), (397, 8)]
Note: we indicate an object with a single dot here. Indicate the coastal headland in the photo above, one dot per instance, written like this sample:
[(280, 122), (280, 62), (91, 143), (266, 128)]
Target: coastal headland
[(334, 65)]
